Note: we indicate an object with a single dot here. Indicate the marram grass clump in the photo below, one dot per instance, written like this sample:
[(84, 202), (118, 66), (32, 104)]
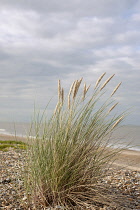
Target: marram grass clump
[(70, 150)]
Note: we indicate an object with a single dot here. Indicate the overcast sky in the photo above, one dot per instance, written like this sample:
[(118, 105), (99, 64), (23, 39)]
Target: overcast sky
[(42, 41)]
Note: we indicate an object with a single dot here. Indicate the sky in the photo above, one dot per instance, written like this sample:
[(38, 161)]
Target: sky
[(42, 41)]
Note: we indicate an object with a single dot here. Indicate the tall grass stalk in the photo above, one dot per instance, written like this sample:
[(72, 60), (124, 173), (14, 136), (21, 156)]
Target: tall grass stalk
[(70, 150)]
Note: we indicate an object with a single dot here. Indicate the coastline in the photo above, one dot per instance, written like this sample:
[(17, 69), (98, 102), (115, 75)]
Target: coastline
[(126, 159), (5, 137)]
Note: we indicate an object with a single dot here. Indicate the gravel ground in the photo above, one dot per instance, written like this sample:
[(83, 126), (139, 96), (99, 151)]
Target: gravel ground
[(12, 195)]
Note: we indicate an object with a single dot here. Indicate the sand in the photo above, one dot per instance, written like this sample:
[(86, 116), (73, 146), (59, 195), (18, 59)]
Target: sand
[(127, 159), (4, 137)]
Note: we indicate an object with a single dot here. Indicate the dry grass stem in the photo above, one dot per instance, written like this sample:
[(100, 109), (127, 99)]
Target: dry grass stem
[(69, 102), (117, 122), (80, 81), (116, 88), (113, 107), (74, 87), (56, 108), (84, 92), (107, 81), (71, 88), (59, 90), (87, 88), (98, 81), (75, 90), (62, 95)]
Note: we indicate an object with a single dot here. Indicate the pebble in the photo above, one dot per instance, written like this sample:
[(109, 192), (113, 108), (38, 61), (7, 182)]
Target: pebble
[(12, 194)]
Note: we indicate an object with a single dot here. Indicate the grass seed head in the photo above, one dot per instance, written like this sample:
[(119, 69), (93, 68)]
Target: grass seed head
[(80, 81), (75, 89), (56, 108), (69, 102), (62, 95), (113, 107), (116, 88), (117, 122), (87, 88), (59, 89), (107, 81), (84, 91), (98, 81), (71, 88)]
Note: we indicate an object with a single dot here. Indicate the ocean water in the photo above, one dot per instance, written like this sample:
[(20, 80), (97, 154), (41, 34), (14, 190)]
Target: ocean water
[(127, 135), (19, 129)]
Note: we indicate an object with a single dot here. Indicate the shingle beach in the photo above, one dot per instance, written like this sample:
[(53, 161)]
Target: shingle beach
[(122, 179)]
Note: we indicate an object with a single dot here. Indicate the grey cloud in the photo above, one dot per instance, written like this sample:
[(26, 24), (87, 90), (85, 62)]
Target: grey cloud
[(90, 7), (42, 41), (4, 56)]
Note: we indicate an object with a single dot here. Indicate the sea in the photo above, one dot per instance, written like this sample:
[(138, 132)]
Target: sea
[(125, 136)]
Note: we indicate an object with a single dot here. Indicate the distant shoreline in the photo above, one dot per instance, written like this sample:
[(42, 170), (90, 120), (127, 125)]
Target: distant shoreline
[(127, 159), (124, 136), (4, 137)]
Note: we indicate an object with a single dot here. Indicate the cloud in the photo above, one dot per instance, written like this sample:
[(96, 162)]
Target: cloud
[(77, 7), (43, 41)]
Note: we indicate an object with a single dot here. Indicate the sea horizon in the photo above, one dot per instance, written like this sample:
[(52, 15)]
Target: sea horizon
[(124, 135)]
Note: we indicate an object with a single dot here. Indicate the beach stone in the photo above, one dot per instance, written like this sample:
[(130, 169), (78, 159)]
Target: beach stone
[(24, 198), (5, 181), (124, 183)]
